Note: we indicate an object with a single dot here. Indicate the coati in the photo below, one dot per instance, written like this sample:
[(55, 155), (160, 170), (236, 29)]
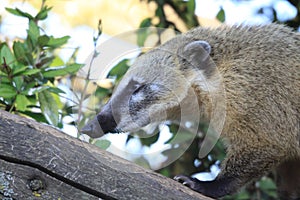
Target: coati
[(259, 68)]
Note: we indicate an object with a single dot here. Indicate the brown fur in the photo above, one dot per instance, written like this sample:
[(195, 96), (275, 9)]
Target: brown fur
[(260, 67)]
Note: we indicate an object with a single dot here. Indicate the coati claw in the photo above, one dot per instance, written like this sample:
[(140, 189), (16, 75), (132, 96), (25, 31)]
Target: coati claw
[(186, 180)]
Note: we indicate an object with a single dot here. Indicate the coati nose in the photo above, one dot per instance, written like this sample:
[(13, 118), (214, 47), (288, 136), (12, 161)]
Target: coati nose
[(103, 123), (93, 129)]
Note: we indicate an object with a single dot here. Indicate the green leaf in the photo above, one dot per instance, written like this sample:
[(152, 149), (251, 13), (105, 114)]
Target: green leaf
[(43, 40), (7, 91), (21, 102), (146, 23), (28, 43), (2, 74), (120, 69), (45, 62), (267, 184), (57, 62), (102, 144), (4, 79), (61, 71), (33, 32), (56, 90), (31, 72), (18, 12), (7, 54), (102, 93), (191, 6), (57, 42), (221, 15), (28, 88), (143, 162), (43, 13), (19, 69), (37, 116), (18, 82), (150, 140), (20, 52), (49, 107), (31, 90), (142, 35)]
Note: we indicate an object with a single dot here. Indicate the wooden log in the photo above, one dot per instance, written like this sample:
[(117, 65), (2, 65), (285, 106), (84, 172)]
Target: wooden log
[(40, 162)]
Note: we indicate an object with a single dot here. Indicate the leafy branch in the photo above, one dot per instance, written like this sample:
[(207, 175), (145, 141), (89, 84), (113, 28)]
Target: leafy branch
[(29, 70)]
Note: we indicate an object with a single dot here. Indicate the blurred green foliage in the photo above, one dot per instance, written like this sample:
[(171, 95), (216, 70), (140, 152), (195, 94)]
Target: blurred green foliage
[(30, 69)]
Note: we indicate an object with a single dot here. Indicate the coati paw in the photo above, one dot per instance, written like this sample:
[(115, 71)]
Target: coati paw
[(190, 182), (215, 188)]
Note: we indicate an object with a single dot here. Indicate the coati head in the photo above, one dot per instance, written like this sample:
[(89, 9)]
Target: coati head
[(155, 88)]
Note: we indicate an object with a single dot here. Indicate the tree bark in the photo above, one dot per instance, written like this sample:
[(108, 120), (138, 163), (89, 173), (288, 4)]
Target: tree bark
[(40, 162)]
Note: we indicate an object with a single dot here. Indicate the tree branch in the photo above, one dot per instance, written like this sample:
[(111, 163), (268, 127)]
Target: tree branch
[(38, 161)]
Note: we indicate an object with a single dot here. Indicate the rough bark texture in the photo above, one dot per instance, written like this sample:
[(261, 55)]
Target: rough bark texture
[(40, 162)]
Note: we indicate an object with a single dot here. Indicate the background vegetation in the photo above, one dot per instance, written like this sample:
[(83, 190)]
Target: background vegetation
[(31, 73)]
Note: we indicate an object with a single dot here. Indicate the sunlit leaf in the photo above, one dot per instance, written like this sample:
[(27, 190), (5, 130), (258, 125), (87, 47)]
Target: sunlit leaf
[(31, 72), (57, 42), (33, 32), (7, 91), (56, 90), (18, 12), (61, 71), (21, 102), (57, 62), (32, 91), (7, 54), (49, 107)]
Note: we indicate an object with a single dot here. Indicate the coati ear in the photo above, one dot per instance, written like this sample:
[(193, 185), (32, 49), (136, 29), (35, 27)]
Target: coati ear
[(197, 47), (196, 53)]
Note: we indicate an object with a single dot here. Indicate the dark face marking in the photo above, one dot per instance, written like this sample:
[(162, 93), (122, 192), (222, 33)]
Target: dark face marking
[(143, 97), (106, 120)]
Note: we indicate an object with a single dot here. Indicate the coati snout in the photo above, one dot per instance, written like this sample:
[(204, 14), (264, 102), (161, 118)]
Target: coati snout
[(259, 68)]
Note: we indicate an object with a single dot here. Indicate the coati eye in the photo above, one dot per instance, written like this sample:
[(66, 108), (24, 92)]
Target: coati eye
[(138, 94), (138, 89), (146, 92), (136, 86)]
